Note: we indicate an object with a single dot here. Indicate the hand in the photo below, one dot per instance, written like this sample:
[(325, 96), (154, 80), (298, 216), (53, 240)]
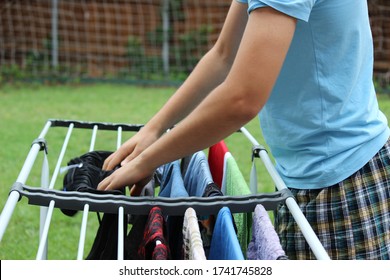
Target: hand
[(130, 174), (130, 149)]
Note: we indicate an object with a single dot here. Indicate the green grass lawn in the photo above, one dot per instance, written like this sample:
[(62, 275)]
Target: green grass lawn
[(24, 112)]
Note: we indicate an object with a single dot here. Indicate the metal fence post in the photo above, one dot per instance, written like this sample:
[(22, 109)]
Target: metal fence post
[(165, 46), (54, 33)]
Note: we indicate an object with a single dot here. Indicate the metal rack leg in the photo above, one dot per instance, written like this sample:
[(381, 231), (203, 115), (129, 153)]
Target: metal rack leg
[(47, 219), (14, 196), (307, 230), (83, 230)]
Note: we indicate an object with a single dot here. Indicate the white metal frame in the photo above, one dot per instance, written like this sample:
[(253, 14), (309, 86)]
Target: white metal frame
[(292, 205), (46, 212)]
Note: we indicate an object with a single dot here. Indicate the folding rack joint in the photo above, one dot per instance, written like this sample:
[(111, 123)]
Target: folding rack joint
[(18, 187), (42, 143), (256, 149)]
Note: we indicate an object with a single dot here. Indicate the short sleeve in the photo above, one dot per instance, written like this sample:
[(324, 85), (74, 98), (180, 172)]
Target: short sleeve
[(299, 9), (242, 1)]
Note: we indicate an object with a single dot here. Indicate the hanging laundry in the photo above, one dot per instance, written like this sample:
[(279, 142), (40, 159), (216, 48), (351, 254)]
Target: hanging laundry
[(154, 245), (172, 185), (265, 243), (224, 243), (193, 244), (225, 163), (135, 237), (206, 224), (138, 222), (184, 162), (84, 173), (198, 175), (216, 157), (234, 184), (211, 190), (189, 176), (199, 182), (105, 244)]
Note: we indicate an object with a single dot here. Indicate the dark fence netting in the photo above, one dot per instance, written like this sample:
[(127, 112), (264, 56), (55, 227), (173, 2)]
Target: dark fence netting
[(148, 41)]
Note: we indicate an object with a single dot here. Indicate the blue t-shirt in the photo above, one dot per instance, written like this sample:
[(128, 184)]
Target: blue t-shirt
[(322, 120)]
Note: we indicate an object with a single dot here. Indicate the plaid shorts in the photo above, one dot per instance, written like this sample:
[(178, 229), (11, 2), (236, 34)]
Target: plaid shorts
[(351, 218)]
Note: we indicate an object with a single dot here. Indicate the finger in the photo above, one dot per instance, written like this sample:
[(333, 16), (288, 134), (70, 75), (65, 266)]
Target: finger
[(102, 186), (110, 185), (128, 158), (118, 179), (114, 159), (107, 162)]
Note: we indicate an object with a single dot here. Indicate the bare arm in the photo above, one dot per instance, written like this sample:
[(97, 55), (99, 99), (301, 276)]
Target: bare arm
[(211, 71), (229, 106)]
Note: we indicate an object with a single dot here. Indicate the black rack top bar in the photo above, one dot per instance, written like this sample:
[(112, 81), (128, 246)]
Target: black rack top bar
[(100, 125)]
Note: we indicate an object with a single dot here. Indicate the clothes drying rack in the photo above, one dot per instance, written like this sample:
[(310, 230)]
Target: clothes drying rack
[(48, 198)]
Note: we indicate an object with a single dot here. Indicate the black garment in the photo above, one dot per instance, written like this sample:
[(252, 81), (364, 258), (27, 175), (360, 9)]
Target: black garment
[(84, 175), (105, 245), (211, 190), (106, 240), (184, 162), (135, 236)]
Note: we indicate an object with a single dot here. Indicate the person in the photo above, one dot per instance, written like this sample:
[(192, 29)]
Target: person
[(305, 67)]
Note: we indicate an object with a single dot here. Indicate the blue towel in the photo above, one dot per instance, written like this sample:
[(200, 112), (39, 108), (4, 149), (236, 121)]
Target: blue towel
[(224, 243)]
